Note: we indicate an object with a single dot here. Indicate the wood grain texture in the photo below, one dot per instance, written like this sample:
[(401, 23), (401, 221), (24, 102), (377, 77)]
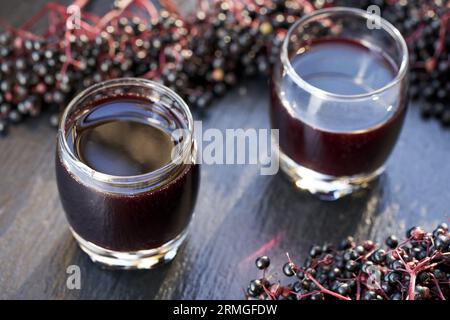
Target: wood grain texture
[(238, 211)]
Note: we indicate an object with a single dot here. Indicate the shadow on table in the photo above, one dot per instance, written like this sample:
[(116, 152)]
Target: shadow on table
[(300, 216), (49, 280)]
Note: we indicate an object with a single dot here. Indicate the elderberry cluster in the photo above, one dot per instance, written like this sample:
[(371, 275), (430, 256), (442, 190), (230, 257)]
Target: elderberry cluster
[(230, 42), (43, 74), (417, 268), (200, 57)]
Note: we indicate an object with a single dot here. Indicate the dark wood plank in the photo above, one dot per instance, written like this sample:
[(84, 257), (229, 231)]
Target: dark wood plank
[(238, 211)]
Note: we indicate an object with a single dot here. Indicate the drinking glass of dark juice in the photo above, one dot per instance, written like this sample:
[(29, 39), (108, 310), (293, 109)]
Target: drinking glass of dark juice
[(338, 98), (126, 172)]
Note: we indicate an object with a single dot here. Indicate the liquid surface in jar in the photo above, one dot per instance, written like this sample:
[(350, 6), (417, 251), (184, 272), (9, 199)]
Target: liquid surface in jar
[(118, 145), (340, 67)]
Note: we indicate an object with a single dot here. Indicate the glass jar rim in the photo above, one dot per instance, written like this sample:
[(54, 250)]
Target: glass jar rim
[(386, 26), (182, 153)]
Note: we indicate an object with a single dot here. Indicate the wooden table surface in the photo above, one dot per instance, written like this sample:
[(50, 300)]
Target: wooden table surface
[(239, 215)]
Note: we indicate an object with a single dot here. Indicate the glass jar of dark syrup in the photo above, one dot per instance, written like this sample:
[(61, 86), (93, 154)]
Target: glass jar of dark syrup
[(338, 98), (126, 172)]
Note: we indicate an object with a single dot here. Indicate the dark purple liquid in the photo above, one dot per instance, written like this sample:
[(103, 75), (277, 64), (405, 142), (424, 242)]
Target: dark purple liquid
[(119, 146), (331, 138)]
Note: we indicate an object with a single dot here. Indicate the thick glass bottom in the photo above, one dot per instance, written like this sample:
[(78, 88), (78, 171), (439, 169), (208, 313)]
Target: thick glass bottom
[(323, 186), (142, 259)]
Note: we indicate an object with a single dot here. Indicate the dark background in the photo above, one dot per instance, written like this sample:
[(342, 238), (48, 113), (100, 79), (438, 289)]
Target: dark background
[(239, 213)]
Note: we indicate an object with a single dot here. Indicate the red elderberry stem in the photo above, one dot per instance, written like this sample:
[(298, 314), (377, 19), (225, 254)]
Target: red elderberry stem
[(149, 7), (415, 34), (438, 287), (412, 276), (412, 287), (81, 3), (358, 287), (35, 18), (170, 6), (269, 294), (307, 6), (301, 296), (203, 5), (113, 14)]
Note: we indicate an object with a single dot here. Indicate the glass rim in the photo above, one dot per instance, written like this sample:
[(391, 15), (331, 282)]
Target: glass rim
[(386, 26), (186, 144)]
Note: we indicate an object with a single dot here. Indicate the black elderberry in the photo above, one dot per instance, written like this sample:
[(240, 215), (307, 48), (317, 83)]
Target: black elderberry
[(421, 292), (445, 120), (311, 271), (397, 265), (4, 109), (443, 226), (350, 255), (369, 295), (347, 243), (410, 231), (315, 251), (419, 253), (58, 97), (6, 67), (391, 257), (219, 89), (441, 242), (317, 296), (368, 245), (387, 288), (5, 52), (438, 231), (203, 100), (334, 273), (423, 277), (322, 278), (5, 86), (392, 241), (352, 284), (438, 274), (14, 117), (378, 256), (297, 287), (255, 288), (327, 248), (396, 296), (438, 110), (343, 289), (3, 127), (262, 262), (287, 270), (5, 38), (54, 120), (351, 266), (306, 284), (367, 267), (21, 64), (308, 263), (360, 250), (393, 277)]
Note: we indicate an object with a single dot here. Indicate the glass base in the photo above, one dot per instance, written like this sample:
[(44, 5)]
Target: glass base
[(142, 259), (325, 187)]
